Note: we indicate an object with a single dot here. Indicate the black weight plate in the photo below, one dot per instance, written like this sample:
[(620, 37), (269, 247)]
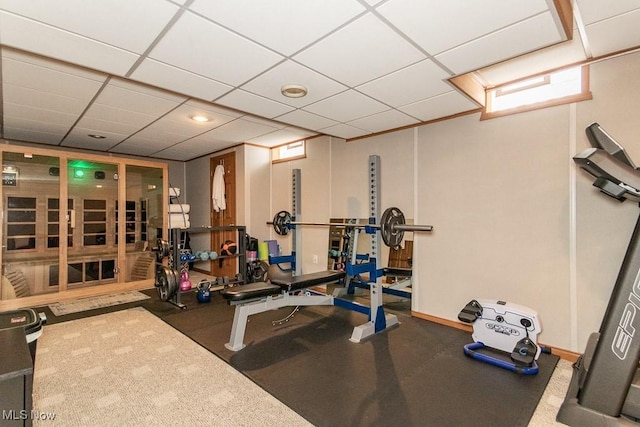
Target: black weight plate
[(391, 236), (281, 223), (166, 283), (162, 249)]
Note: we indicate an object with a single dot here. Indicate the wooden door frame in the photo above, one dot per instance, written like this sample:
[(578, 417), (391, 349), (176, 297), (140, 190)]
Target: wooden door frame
[(226, 217)]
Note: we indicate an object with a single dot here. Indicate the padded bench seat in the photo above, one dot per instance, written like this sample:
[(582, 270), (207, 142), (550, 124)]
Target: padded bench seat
[(304, 281), (250, 291), (397, 271)]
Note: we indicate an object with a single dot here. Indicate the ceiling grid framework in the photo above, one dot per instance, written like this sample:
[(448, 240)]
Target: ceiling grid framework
[(369, 66)]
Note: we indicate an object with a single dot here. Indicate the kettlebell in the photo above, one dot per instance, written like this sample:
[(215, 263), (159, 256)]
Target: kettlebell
[(185, 283), (204, 291)]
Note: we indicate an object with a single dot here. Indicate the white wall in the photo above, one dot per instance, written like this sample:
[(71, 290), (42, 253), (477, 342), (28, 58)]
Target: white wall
[(314, 204), (257, 201), (497, 193)]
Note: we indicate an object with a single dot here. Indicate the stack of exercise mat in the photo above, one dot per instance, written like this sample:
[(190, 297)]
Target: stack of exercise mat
[(178, 212)]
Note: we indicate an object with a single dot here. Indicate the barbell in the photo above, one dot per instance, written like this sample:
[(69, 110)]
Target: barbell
[(392, 226)]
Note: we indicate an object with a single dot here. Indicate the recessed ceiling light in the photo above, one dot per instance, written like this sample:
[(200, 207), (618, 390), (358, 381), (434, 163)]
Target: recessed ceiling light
[(293, 91), (97, 136), (200, 118)]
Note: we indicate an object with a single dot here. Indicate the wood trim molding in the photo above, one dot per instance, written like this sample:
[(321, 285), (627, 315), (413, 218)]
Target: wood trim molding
[(469, 85), (565, 14)]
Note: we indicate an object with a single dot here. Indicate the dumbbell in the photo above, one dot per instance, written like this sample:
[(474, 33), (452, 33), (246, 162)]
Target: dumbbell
[(206, 255), (187, 257)]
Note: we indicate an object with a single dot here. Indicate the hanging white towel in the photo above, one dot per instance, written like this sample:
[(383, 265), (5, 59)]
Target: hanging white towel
[(218, 196)]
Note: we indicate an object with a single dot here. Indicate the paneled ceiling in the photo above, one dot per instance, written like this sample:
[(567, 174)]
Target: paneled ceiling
[(135, 72)]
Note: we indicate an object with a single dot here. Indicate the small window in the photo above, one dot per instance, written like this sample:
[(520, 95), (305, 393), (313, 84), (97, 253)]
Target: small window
[(295, 150), (555, 88)]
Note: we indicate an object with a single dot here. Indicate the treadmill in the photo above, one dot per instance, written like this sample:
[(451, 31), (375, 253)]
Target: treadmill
[(605, 385)]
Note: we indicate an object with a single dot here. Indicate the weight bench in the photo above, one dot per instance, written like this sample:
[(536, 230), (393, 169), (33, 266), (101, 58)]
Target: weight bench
[(296, 283), (397, 271), (259, 297)]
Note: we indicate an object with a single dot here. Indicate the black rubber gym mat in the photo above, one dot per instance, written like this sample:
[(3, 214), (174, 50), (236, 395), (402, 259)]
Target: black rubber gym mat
[(415, 374)]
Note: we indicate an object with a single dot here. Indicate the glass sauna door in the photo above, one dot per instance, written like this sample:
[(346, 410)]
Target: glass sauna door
[(143, 217), (31, 230), (92, 254)]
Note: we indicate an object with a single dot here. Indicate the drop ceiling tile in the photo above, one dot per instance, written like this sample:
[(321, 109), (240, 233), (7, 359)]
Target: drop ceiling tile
[(254, 104), (109, 123), (202, 47), (42, 100), (386, 120), (265, 122), (185, 151), (143, 146), (346, 106), (21, 123), (257, 20), (239, 130), (129, 25), (48, 63), (47, 136), (148, 90), (39, 114), (307, 120), (300, 132), (361, 51), (439, 106), (439, 26), (177, 125), (171, 131), (279, 137), (39, 38), (48, 80), (135, 102), (345, 131), (419, 81), (79, 138), (181, 81), (201, 106), (523, 37), (270, 83), (593, 11), (614, 34)]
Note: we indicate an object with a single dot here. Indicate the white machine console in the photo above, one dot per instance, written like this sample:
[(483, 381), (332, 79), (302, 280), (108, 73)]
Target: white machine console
[(507, 327), (502, 324)]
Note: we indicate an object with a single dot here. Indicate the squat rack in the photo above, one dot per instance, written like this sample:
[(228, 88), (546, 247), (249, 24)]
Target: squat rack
[(392, 226)]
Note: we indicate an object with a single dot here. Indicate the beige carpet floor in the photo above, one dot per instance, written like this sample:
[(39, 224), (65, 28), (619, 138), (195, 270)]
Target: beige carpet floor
[(554, 394), (129, 368)]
